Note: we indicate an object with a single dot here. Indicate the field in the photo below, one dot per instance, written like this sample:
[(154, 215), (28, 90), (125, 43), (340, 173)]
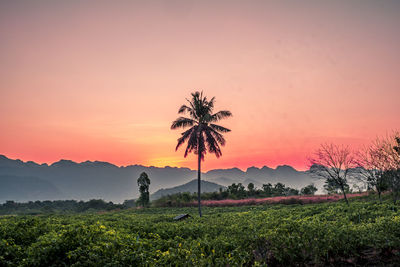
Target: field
[(366, 233)]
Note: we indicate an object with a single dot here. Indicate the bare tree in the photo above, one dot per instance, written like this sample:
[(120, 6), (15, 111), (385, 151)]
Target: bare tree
[(372, 166), (333, 163), (396, 156), (390, 149)]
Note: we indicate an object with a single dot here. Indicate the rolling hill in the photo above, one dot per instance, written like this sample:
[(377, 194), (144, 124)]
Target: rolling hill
[(190, 187)]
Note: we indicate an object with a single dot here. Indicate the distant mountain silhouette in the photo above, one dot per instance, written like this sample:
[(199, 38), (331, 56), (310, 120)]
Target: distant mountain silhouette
[(67, 179), (23, 189), (190, 187), (92, 179), (233, 172)]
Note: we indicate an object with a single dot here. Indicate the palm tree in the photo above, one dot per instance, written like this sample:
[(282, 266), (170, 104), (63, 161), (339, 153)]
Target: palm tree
[(203, 133)]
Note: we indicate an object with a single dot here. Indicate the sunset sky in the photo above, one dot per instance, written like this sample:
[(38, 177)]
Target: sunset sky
[(103, 80)]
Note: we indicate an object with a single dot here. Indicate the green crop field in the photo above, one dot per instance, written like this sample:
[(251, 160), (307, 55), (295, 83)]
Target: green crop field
[(366, 232)]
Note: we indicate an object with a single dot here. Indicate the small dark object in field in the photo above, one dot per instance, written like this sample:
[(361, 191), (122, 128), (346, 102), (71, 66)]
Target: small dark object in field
[(181, 217)]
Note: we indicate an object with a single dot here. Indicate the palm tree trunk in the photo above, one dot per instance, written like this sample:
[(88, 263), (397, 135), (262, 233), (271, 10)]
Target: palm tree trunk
[(199, 182)]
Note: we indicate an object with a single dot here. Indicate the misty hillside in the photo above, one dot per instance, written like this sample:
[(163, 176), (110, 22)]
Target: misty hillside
[(67, 179), (27, 188), (190, 187)]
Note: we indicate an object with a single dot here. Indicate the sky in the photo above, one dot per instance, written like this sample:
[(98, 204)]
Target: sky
[(103, 80)]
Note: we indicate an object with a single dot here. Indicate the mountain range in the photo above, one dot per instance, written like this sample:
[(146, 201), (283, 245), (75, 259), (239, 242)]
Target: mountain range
[(66, 179)]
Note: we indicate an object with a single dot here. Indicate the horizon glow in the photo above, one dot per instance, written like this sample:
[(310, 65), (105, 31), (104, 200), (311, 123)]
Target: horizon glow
[(104, 80)]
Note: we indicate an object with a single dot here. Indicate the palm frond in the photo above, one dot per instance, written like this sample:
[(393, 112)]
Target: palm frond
[(192, 141), (220, 115), (184, 137), (212, 144), (193, 112), (219, 137), (184, 109), (210, 104), (182, 122), (219, 128)]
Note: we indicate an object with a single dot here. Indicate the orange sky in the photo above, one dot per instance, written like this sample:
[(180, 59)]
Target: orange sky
[(96, 80)]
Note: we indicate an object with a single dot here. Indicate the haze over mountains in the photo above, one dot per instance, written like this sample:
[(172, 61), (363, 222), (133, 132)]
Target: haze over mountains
[(65, 179), (190, 187)]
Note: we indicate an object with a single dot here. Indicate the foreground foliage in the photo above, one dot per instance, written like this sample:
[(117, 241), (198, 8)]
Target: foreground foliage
[(316, 234)]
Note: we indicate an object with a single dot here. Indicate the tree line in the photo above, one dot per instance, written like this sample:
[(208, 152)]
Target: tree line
[(235, 191), (58, 206)]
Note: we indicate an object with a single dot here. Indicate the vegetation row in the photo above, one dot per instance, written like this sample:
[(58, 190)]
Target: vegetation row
[(366, 232)]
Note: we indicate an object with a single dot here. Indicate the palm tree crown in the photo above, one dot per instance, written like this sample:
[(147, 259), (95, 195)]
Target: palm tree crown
[(203, 133)]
